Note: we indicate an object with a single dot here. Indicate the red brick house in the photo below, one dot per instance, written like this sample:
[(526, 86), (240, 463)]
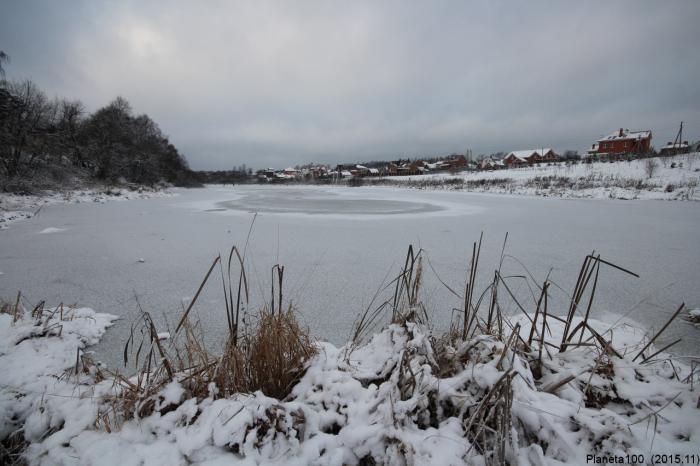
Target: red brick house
[(624, 141), (521, 158), (456, 162)]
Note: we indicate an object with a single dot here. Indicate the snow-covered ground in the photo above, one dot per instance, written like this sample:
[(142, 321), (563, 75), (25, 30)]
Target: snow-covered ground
[(35, 388), (606, 180), (399, 398), (15, 207)]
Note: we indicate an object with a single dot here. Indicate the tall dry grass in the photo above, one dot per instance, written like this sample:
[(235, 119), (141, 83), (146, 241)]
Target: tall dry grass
[(269, 355)]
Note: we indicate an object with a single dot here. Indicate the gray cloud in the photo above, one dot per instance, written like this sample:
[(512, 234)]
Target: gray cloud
[(278, 83)]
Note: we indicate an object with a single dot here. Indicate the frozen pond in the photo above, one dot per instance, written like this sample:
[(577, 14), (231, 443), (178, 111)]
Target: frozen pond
[(338, 245), (323, 202)]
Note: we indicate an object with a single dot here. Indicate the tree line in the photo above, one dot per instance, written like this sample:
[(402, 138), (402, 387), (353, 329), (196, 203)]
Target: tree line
[(46, 142)]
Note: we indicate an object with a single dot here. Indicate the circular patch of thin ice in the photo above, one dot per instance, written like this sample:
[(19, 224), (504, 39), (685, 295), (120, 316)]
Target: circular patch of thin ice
[(313, 203)]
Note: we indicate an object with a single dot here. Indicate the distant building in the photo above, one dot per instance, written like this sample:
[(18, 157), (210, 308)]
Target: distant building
[(360, 170), (593, 151), (624, 141), (518, 158), (521, 158), (456, 162), (490, 164), (675, 148)]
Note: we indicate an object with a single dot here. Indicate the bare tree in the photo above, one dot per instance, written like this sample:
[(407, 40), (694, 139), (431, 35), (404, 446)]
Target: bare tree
[(46, 140), (29, 116), (3, 58)]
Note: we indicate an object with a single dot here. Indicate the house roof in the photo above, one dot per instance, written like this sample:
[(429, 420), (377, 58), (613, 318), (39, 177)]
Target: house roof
[(523, 155), (491, 162), (677, 145), (373, 170), (626, 134)]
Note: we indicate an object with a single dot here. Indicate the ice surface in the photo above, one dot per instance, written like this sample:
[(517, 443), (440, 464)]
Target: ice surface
[(313, 202), (335, 263), (51, 230)]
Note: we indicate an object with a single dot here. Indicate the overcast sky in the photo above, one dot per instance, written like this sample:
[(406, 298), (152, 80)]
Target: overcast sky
[(284, 83)]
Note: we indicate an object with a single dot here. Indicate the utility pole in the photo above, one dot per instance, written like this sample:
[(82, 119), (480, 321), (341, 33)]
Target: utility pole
[(678, 141)]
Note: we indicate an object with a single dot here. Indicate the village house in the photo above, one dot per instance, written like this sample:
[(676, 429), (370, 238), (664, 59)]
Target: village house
[(520, 158), (455, 162), (489, 163), (675, 148), (593, 151), (624, 141), (391, 169), (418, 167), (360, 170)]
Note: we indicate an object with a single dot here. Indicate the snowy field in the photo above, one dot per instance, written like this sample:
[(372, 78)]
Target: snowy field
[(673, 178), (108, 256)]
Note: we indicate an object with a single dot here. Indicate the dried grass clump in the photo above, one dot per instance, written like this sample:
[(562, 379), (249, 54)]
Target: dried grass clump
[(271, 358), (482, 334), (15, 309), (277, 353), (269, 355)]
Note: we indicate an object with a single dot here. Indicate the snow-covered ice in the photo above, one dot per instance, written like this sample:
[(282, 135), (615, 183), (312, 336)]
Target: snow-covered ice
[(51, 230), (335, 263)]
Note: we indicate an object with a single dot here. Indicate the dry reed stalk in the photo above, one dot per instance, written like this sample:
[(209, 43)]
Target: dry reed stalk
[(468, 294), (675, 314)]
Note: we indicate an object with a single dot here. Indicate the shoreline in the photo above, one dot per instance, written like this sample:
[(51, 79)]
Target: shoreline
[(18, 207), (401, 394)]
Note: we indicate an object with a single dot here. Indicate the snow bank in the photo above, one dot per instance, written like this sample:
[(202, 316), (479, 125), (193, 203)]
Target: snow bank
[(36, 393), (401, 398), (14, 207)]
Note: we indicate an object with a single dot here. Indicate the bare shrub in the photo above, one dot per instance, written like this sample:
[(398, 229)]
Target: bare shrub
[(356, 182), (650, 166)]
